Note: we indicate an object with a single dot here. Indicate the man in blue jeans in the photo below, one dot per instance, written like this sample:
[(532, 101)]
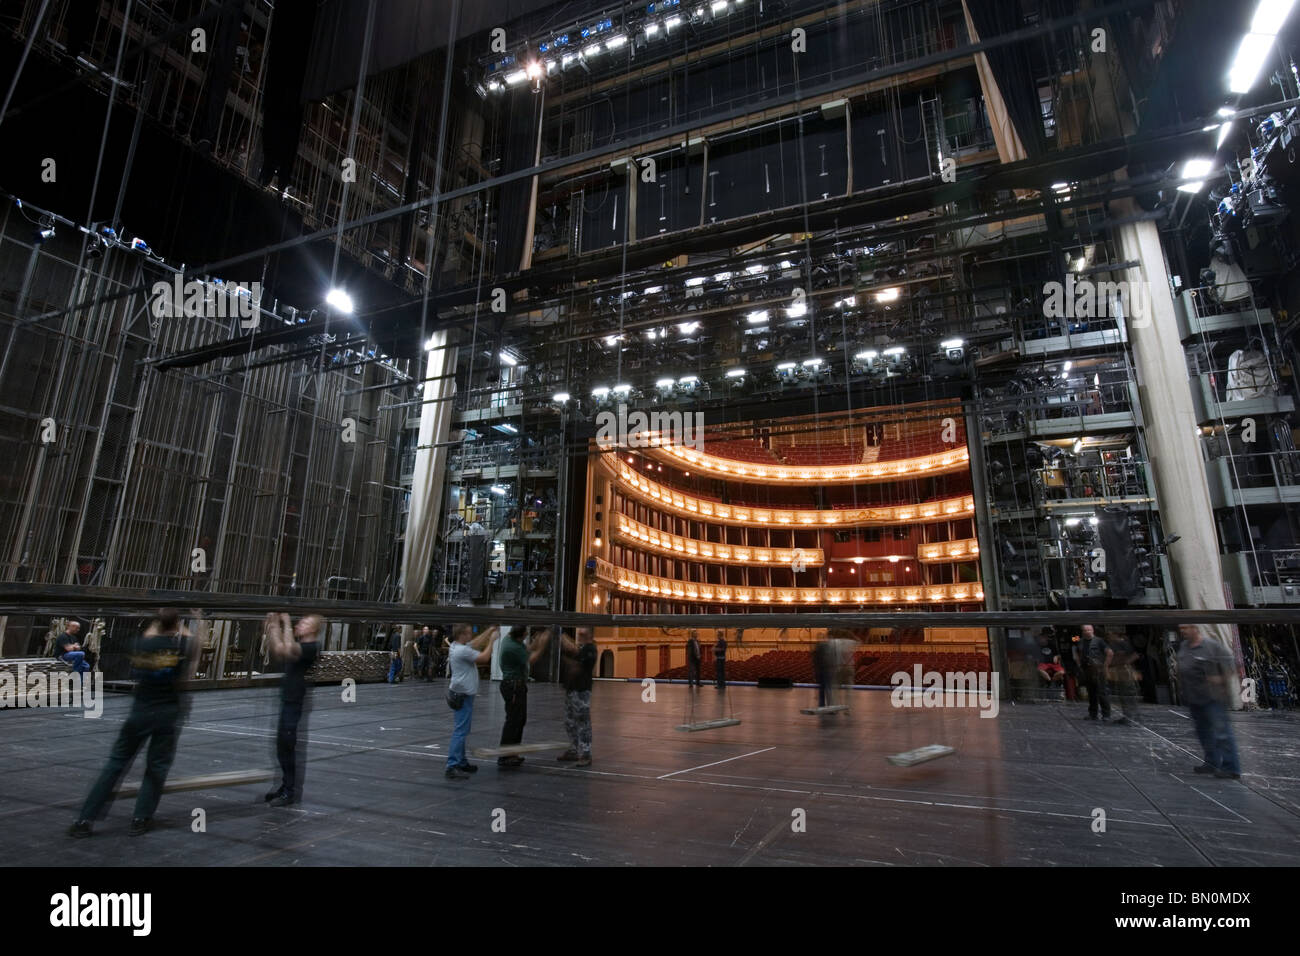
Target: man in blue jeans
[(1204, 670), (68, 648), (466, 654)]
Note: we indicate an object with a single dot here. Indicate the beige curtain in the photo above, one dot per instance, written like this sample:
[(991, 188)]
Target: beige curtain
[(423, 519)]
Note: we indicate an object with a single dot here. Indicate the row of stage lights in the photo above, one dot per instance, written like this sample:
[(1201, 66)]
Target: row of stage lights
[(954, 350), (567, 50)]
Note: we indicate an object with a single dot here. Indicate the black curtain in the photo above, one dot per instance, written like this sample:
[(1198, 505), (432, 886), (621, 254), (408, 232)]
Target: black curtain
[(1012, 69), (1116, 542), (289, 46), (521, 150)]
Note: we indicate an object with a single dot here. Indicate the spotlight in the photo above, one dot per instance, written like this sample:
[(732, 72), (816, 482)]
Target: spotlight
[(45, 232), (497, 490), (735, 372), (622, 389), (340, 301), (887, 295), (665, 384), (600, 391), (757, 318), (559, 398)]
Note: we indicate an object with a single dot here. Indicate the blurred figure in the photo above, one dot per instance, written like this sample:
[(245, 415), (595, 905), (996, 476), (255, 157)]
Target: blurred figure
[(581, 661), (517, 659), (720, 661), (408, 653), (68, 648), (693, 659), (395, 656), (467, 653), (1095, 659), (1205, 668), (823, 670), (423, 647), (1049, 659), (1122, 677), (298, 657), (160, 657), (843, 646)]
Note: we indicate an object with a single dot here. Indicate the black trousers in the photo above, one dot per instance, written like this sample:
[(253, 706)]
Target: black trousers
[(286, 745), (720, 676), (692, 673), (515, 694), (152, 721), (1098, 694)]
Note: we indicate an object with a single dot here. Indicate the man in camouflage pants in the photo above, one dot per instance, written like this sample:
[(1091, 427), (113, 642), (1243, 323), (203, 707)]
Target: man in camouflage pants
[(580, 663)]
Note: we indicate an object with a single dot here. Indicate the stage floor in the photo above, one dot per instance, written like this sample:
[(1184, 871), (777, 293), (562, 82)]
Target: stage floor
[(1021, 790)]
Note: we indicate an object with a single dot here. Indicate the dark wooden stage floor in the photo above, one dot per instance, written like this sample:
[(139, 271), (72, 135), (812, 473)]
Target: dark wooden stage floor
[(1021, 790)]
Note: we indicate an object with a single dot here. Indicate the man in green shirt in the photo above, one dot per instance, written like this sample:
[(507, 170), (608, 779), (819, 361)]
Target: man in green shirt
[(517, 659)]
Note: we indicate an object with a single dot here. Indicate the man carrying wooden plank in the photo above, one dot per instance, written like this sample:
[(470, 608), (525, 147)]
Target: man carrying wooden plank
[(298, 656)]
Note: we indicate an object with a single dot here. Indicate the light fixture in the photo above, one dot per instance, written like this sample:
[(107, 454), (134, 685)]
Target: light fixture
[(508, 359), (497, 490), (559, 398), (612, 340), (735, 372), (1079, 264), (692, 283), (952, 343), (1071, 522), (895, 350), (785, 366), (622, 388), (812, 362), (1093, 521), (754, 318), (652, 289), (1270, 15), (672, 22), (893, 559), (515, 78), (1225, 111), (534, 70), (651, 29), (566, 61), (599, 391), (795, 311), (867, 356), (339, 300), (888, 295), (718, 6), (686, 328), (665, 383), (591, 50), (688, 380), (1251, 56), (1195, 169), (1067, 366), (1077, 446), (616, 41)]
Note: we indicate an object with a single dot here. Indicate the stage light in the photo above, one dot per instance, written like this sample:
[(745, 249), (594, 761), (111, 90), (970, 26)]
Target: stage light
[(599, 391), (651, 290), (1195, 168), (696, 281), (651, 29), (508, 359), (1251, 56), (339, 300), (616, 41), (887, 295), (785, 366), (718, 6), (559, 398), (1226, 111), (515, 78), (686, 328), (795, 311), (44, 233), (868, 356), (534, 70), (756, 318), (688, 380), (622, 388), (671, 22), (735, 372), (812, 362), (1270, 15), (591, 50), (665, 383), (1077, 446), (566, 61), (894, 350), (952, 343), (497, 490)]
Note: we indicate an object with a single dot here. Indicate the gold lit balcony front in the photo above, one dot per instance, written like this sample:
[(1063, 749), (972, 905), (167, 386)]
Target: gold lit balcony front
[(635, 533), (925, 466), (655, 494), (940, 551), (666, 589)]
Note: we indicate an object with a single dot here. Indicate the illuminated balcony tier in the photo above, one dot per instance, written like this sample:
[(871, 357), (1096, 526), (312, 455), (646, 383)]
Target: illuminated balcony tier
[(941, 551), (665, 589), (941, 463), (676, 546), (747, 516)]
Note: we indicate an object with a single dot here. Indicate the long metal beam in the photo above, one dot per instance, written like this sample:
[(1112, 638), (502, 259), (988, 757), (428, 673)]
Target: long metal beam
[(62, 600)]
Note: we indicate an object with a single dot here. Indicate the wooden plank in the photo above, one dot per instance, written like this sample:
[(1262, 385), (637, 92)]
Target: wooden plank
[(709, 724), (912, 757), (828, 709), (232, 778), (511, 750)]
